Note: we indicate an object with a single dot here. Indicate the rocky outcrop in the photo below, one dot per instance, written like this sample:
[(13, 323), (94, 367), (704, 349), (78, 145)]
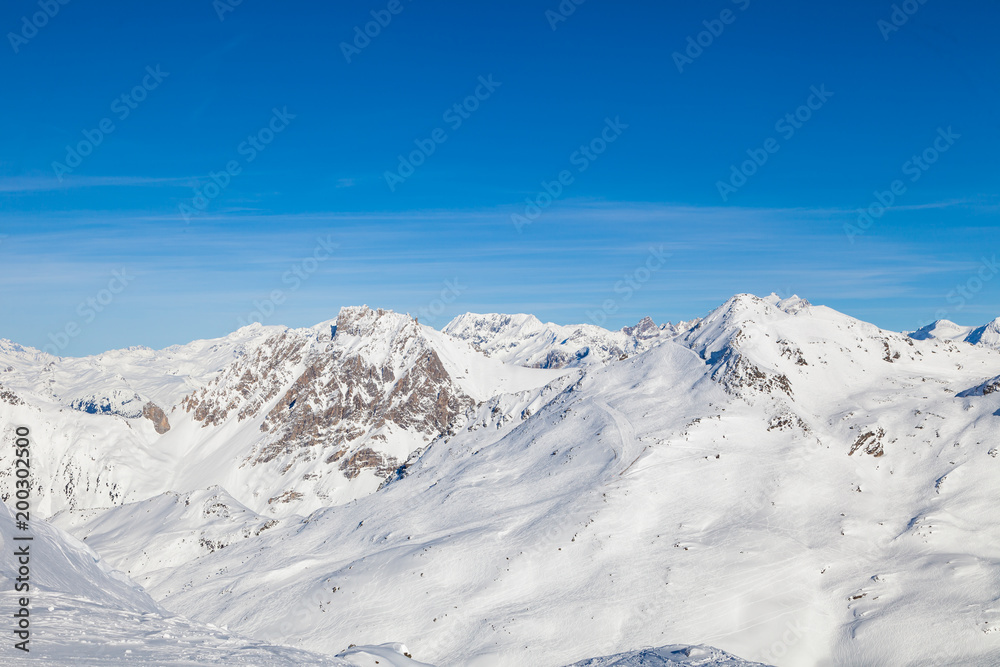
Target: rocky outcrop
[(9, 397), (251, 382), (869, 443), (334, 397), (120, 402), (351, 392), (155, 414), (985, 389), (741, 377), (646, 329)]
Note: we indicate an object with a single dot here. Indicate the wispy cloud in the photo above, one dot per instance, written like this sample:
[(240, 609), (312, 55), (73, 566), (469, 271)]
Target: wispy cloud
[(48, 184)]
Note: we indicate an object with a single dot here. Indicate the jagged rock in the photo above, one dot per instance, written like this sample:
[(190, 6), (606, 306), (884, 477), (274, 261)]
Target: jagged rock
[(985, 389), (9, 397), (118, 402), (331, 398), (740, 376), (155, 414), (869, 443), (344, 395)]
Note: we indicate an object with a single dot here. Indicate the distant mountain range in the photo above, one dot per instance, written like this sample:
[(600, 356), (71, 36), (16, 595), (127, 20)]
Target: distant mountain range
[(987, 335), (776, 479)]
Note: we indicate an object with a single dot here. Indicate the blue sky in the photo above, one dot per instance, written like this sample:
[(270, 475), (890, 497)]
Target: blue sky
[(642, 136)]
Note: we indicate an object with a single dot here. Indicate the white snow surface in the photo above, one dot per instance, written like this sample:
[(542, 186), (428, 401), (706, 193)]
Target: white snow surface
[(84, 613), (777, 480)]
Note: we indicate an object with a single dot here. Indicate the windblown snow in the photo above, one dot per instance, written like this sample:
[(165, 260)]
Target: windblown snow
[(775, 481)]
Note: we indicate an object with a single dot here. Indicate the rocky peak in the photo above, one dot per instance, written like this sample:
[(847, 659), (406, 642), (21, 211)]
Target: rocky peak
[(525, 341), (334, 405), (728, 324), (365, 321), (494, 331), (644, 330), (945, 329), (251, 381), (791, 305)]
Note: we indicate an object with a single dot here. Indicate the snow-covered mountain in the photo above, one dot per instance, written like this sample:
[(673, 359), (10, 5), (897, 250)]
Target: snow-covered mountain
[(669, 656), (289, 420), (777, 479), (525, 341), (987, 335)]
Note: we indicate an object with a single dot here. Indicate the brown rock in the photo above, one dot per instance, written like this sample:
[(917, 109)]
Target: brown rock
[(153, 413)]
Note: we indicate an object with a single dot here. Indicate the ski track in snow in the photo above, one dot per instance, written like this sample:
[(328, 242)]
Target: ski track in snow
[(629, 452)]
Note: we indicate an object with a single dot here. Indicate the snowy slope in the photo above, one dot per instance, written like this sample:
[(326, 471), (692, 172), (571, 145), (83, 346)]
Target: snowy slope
[(83, 612)]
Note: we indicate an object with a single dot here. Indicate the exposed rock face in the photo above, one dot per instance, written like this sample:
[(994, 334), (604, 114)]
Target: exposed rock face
[(788, 421), (286, 497), (155, 414), (366, 457), (985, 389), (644, 330), (741, 377), (560, 359), (252, 382), (119, 402), (378, 372), (338, 398), (9, 397), (869, 443), (794, 353)]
